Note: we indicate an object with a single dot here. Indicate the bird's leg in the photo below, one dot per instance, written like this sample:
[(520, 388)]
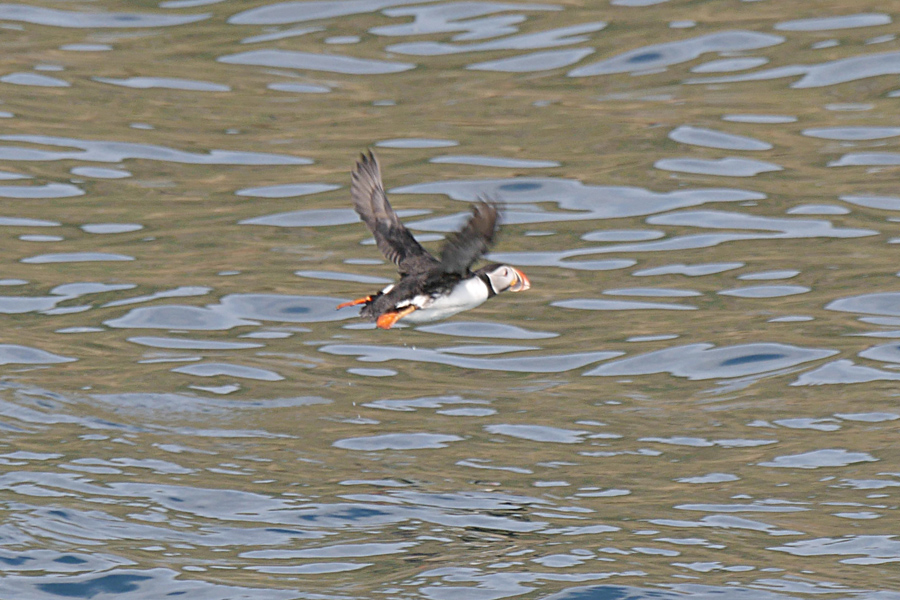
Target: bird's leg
[(387, 320), (356, 302)]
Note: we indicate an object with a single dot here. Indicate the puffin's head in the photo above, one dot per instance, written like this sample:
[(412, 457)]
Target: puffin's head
[(505, 277)]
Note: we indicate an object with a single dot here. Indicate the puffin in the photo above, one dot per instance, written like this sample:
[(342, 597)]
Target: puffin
[(429, 289)]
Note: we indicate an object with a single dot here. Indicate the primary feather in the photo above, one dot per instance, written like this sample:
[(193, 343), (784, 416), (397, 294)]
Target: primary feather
[(471, 242), (392, 237)]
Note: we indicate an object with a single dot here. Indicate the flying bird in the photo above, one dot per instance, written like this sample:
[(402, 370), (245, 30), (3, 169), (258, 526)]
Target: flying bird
[(429, 289)]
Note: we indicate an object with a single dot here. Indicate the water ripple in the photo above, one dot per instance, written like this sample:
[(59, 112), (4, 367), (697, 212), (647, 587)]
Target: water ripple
[(168, 83), (844, 372), (534, 62), (884, 303), (191, 344), (563, 36), (299, 88), (306, 218), (838, 22), (768, 275), (555, 363), (727, 522), (397, 441), (852, 133), (486, 330), (177, 317), (725, 167), (83, 19), (824, 74), (725, 65), (783, 228), (50, 190), (179, 292), (281, 307), (857, 159), (75, 257), (710, 138), (281, 13), (494, 161), (766, 291), (106, 151), (790, 228), (873, 549), (448, 17), (289, 190), (689, 270), (100, 173), (337, 276), (705, 361), (879, 202), (281, 35), (659, 56), (580, 201), (34, 79), (591, 304), (158, 582), (231, 370), (86, 47), (415, 143), (14, 354), (818, 459), (759, 118), (334, 551), (333, 63), (538, 433), (428, 402)]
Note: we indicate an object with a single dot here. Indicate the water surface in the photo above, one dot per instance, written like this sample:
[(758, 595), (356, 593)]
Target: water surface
[(697, 398)]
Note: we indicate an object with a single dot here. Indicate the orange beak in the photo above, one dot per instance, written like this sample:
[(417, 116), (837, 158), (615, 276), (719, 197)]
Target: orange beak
[(521, 283)]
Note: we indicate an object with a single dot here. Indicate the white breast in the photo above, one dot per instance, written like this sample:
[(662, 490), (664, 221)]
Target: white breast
[(466, 294)]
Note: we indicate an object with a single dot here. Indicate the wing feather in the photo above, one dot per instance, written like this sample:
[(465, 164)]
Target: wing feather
[(392, 237), (471, 242)]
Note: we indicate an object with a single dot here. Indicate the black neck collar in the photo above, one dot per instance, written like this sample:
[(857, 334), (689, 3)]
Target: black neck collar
[(487, 282)]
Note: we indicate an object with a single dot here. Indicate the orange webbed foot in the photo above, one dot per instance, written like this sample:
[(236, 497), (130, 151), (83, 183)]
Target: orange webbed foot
[(387, 320), (356, 302)]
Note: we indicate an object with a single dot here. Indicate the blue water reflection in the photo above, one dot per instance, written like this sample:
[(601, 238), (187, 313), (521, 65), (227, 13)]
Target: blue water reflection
[(659, 56), (85, 19), (109, 151), (317, 62), (705, 361)]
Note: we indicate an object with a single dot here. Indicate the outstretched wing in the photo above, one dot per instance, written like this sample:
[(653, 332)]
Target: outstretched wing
[(393, 238), (469, 244)]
